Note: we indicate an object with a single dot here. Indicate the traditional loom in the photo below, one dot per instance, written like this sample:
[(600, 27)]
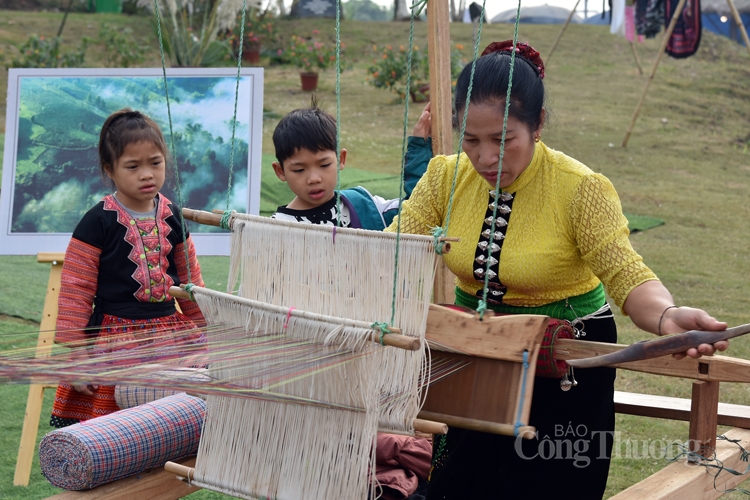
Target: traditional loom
[(328, 420), (374, 404)]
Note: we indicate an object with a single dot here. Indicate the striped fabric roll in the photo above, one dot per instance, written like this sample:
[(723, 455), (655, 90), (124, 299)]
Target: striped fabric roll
[(104, 449)]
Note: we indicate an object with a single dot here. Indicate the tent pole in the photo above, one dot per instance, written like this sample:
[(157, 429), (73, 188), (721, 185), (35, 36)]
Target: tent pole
[(637, 61), (738, 20), (559, 35), (662, 49)]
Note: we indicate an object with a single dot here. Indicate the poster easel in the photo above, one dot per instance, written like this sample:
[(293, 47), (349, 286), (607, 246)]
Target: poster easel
[(36, 391)]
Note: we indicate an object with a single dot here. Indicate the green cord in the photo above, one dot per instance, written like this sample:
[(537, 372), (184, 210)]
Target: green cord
[(225, 218), (236, 98), (383, 327), (463, 121), (416, 9), (498, 190), (183, 225), (338, 114)]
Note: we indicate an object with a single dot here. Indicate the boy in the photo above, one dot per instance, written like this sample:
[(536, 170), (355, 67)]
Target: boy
[(305, 142)]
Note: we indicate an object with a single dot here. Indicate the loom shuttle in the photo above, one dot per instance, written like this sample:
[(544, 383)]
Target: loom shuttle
[(662, 346)]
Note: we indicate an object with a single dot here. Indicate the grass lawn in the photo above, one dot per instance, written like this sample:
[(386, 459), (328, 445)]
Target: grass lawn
[(687, 164)]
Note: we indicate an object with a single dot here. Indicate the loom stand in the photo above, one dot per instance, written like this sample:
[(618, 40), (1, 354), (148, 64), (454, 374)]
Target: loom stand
[(27, 448)]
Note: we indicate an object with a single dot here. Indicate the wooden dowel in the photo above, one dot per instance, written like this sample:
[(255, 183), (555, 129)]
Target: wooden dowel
[(637, 60), (50, 257), (180, 470), (393, 338), (740, 24), (203, 217), (662, 49), (430, 427), (526, 431), (214, 219), (562, 30)]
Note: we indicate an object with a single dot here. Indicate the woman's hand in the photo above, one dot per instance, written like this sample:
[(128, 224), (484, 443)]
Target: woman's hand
[(680, 319), (423, 128), (651, 307), (87, 389)]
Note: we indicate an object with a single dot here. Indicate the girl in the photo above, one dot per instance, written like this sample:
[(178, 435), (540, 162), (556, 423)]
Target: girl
[(124, 255)]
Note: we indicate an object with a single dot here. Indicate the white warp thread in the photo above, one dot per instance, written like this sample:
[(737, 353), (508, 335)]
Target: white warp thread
[(347, 385)]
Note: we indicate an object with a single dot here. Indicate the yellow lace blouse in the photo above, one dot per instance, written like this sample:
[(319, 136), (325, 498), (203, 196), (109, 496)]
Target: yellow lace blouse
[(565, 233)]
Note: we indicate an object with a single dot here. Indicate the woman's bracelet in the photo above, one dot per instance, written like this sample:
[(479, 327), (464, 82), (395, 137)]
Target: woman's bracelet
[(661, 318)]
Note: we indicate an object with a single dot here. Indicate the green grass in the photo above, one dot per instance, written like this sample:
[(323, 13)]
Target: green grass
[(691, 170)]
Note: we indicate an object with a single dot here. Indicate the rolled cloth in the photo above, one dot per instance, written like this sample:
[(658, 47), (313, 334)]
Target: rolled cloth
[(104, 449)]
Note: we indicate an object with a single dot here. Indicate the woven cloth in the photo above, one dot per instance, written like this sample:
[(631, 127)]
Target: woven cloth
[(129, 396), (104, 449)]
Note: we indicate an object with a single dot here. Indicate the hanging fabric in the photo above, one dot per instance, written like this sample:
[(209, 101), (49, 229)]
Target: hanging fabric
[(686, 36), (617, 19), (649, 16)]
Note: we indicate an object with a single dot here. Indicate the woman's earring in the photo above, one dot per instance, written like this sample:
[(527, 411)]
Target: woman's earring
[(536, 139)]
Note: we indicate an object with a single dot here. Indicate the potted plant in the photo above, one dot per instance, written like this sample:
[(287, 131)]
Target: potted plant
[(260, 31), (309, 55)]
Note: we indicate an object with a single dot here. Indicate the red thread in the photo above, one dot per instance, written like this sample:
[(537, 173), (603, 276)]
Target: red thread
[(288, 315)]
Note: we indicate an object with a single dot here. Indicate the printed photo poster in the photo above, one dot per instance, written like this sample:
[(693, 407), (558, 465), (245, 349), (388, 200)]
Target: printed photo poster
[(51, 173)]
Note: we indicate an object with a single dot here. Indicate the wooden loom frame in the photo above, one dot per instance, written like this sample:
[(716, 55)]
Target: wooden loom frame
[(675, 481)]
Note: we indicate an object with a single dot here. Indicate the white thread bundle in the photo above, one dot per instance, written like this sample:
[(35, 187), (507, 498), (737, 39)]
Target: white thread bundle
[(318, 446), (322, 447), (348, 273)]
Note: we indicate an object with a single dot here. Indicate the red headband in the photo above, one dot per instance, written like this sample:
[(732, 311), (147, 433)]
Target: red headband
[(523, 50)]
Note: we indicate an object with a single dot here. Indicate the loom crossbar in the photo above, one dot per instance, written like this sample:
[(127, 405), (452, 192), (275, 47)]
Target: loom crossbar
[(393, 338), (214, 219)]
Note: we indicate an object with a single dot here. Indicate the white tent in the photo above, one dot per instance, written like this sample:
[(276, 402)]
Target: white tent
[(541, 14)]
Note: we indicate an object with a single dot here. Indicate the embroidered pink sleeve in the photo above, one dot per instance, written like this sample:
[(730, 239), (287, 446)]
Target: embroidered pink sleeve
[(78, 288), (188, 307)]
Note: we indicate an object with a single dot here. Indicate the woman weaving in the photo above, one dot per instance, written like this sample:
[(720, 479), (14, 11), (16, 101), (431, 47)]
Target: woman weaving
[(559, 239)]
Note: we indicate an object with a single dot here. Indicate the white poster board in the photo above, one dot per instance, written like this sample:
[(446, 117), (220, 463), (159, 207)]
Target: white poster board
[(51, 174)]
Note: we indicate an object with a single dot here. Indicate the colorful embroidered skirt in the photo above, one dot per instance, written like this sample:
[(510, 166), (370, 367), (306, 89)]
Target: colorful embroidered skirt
[(71, 406), (102, 450)]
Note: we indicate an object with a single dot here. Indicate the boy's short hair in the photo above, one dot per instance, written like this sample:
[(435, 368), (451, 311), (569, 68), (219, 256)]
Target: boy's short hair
[(305, 128)]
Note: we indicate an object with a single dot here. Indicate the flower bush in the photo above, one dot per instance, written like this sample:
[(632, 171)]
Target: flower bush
[(309, 55), (260, 32), (41, 52), (388, 70)]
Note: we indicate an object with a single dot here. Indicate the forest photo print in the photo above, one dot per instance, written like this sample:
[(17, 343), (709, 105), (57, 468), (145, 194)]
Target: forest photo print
[(55, 173)]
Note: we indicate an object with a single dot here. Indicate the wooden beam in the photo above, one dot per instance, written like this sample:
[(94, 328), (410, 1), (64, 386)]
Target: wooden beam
[(441, 109), (495, 337), (717, 368), (703, 414), (154, 484), (439, 51), (681, 481), (647, 405)]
